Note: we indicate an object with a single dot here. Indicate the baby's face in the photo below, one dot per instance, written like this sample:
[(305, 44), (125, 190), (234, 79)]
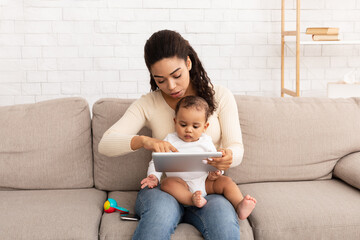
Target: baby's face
[(190, 123)]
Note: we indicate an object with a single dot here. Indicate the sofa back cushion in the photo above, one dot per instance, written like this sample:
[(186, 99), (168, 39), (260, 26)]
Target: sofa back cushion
[(116, 173), (46, 145), (291, 139)]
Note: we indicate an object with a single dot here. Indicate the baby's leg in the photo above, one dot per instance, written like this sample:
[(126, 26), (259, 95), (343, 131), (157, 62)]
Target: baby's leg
[(179, 189), (226, 186)]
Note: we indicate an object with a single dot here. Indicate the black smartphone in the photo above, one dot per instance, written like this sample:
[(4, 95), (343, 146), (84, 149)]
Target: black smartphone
[(129, 217)]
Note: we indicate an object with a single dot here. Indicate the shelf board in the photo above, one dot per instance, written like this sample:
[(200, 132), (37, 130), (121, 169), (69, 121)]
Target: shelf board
[(341, 42)]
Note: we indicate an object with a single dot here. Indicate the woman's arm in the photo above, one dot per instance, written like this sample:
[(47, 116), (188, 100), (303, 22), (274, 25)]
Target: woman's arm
[(231, 137)]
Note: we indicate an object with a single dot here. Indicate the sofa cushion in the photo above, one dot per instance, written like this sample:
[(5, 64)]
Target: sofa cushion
[(46, 145), (116, 173), (288, 139), (112, 227), (348, 169), (51, 214), (326, 209)]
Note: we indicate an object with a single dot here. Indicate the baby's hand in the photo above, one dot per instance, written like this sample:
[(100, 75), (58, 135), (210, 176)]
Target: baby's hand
[(151, 181), (214, 175)]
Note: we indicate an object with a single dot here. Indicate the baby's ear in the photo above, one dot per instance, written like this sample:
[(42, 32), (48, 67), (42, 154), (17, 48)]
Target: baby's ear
[(206, 126), (175, 120)]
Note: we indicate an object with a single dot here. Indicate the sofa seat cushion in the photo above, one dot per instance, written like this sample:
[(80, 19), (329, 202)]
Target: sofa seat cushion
[(112, 227), (51, 214), (328, 209)]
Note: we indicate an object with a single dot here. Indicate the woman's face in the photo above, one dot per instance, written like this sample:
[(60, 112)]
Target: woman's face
[(172, 76)]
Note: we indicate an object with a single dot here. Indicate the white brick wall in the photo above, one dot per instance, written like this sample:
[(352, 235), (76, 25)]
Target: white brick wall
[(94, 48)]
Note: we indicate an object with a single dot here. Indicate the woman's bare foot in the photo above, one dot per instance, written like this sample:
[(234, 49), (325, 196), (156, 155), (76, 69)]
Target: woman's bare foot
[(198, 200), (245, 207)]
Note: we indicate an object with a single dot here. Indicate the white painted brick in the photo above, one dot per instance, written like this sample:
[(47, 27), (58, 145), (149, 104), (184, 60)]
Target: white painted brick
[(316, 61), (68, 88), (202, 27), (24, 99), (132, 3), (6, 100), (111, 63), (102, 76), (152, 15), (134, 27), (129, 51), (111, 39), (31, 52), (7, 26), (10, 52), (65, 76), (312, 50), (194, 4), (245, 85), (225, 39), (11, 40), (258, 62), (137, 63), (36, 76), (240, 62), (269, 86), (275, 62), (31, 89), (339, 61), (254, 15), (186, 15), (12, 77), (80, 14), (134, 75), (40, 39), (344, 4), (200, 38), (51, 88), (91, 88), (46, 64), (160, 25), (255, 74), (236, 51), (105, 27), (267, 50), (210, 51), (65, 3), (73, 26), (221, 63), (237, 27), (354, 62), (346, 15), (229, 74), (120, 87), (96, 51), (75, 64), (221, 4), (42, 13), (60, 52), (10, 89), (317, 15), (311, 4), (33, 27), (265, 27), (11, 13), (117, 14), (75, 39), (213, 15), (17, 64), (342, 50), (252, 38)]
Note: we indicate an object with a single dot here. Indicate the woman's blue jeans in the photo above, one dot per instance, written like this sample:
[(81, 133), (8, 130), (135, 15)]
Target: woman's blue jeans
[(160, 213)]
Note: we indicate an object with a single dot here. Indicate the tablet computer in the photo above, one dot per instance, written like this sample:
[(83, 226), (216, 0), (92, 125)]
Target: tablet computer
[(183, 162)]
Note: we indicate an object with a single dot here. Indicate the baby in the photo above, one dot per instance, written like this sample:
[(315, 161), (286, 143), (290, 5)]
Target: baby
[(190, 188)]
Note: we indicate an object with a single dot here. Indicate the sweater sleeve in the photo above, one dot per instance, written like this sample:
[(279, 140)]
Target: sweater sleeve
[(116, 140), (231, 137)]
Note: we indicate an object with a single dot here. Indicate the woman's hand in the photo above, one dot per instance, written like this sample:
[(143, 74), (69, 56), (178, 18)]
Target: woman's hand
[(212, 176), (151, 181), (156, 145), (224, 162)]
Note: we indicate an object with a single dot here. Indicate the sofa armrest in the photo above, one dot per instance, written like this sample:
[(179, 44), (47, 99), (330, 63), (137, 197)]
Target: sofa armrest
[(348, 169)]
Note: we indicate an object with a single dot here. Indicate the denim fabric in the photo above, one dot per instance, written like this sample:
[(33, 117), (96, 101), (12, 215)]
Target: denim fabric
[(160, 213)]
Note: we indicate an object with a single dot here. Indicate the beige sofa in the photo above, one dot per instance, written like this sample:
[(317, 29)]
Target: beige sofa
[(301, 162)]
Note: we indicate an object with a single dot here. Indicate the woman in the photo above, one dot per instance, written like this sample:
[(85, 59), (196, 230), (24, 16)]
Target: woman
[(175, 72)]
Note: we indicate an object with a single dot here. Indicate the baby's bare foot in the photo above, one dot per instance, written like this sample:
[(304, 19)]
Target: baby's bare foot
[(245, 207), (198, 200)]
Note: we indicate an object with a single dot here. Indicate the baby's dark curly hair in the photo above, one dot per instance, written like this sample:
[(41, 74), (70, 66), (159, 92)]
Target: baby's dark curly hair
[(168, 44), (194, 102)]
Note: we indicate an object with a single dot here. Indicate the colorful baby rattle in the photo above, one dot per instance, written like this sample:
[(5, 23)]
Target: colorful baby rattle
[(111, 206)]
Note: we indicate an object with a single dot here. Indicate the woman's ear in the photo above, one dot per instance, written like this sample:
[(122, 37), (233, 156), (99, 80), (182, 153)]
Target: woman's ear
[(188, 63)]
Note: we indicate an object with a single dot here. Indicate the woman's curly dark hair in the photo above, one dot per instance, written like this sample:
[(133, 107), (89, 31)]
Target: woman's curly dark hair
[(167, 44)]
